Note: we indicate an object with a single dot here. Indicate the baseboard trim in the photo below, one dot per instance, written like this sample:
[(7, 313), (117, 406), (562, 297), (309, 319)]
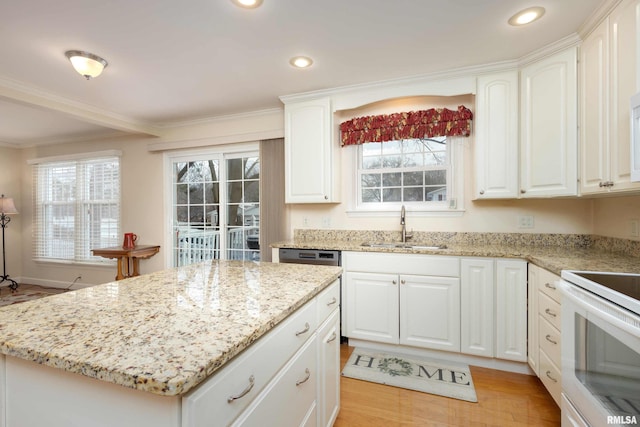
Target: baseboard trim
[(54, 283), (483, 362)]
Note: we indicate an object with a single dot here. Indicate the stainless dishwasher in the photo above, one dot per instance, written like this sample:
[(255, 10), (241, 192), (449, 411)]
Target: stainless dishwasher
[(309, 256)]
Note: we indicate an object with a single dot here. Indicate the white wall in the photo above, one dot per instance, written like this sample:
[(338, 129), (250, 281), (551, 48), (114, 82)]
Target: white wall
[(612, 216), (142, 168), (10, 186)]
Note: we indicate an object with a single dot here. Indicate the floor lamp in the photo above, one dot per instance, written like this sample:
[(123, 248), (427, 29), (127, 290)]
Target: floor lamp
[(7, 207)]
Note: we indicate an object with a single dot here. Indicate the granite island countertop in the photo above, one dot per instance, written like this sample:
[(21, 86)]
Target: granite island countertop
[(163, 332), (552, 256)]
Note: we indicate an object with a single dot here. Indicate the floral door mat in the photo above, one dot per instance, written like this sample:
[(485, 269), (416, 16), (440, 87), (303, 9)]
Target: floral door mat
[(17, 297), (433, 376)]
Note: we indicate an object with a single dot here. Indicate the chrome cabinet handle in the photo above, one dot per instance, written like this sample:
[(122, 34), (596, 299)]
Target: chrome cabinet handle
[(393, 281), (481, 192), (550, 286), (548, 373), (522, 191), (243, 392), (548, 338), (332, 338), (402, 282), (550, 313), (305, 330), (333, 301), (305, 379)]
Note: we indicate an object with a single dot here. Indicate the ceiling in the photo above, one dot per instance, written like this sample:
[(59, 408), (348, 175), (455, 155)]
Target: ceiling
[(174, 62)]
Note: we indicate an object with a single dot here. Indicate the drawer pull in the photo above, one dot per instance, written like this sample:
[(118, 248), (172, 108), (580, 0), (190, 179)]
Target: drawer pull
[(243, 392), (548, 338), (332, 338), (393, 281), (548, 373), (550, 286), (333, 301), (550, 313), (305, 330), (305, 379)]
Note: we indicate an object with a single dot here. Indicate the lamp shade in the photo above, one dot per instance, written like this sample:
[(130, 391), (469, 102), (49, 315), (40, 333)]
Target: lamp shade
[(7, 206), (86, 64)]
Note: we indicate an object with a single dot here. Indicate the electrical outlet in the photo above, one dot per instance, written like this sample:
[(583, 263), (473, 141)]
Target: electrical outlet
[(633, 228), (525, 221), (326, 222), (305, 221)]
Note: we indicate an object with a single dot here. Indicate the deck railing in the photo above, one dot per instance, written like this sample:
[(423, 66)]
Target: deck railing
[(196, 245)]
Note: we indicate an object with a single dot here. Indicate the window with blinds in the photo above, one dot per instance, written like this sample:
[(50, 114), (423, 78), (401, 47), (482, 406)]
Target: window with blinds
[(76, 208)]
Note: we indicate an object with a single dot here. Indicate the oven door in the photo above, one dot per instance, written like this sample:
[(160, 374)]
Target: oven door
[(600, 358)]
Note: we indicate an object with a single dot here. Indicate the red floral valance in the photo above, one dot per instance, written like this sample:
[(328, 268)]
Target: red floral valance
[(414, 124)]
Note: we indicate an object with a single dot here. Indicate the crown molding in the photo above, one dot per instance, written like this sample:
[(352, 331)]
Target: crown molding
[(572, 40), (30, 96), (597, 17)]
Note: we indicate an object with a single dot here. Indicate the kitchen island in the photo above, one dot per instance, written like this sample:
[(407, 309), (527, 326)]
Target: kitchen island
[(134, 352)]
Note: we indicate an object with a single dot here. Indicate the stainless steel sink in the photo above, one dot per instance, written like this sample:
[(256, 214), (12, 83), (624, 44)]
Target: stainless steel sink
[(401, 245)]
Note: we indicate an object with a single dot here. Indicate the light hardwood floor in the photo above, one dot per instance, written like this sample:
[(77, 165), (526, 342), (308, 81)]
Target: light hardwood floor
[(504, 399)]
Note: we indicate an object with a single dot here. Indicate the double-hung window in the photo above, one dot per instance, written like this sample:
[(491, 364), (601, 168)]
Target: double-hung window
[(404, 171), (76, 207)]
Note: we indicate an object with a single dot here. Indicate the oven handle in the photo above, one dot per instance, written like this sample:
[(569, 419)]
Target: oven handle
[(601, 307)]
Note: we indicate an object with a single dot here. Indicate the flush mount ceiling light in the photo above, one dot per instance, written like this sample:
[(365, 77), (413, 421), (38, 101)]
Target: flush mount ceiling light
[(527, 16), (301, 61), (85, 63), (247, 4)]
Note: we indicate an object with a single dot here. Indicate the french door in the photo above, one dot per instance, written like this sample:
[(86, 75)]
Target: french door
[(215, 206)]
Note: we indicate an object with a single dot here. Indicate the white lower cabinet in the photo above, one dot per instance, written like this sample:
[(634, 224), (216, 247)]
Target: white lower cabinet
[(476, 306), (285, 378), (430, 312), (388, 300), (545, 345), (290, 399), (511, 310), (329, 380)]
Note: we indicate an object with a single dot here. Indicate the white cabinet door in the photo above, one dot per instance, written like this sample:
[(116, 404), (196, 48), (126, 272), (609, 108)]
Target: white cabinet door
[(511, 310), (624, 32), (477, 282), (549, 136), (430, 312), (594, 118), (309, 152), (329, 368), (496, 128), (609, 76), (371, 307)]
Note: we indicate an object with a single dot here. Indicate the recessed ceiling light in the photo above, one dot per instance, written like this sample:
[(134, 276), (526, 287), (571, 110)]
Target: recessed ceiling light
[(301, 61), (527, 16), (247, 4)]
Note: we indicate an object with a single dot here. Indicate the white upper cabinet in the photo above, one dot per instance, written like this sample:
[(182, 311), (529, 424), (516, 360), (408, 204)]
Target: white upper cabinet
[(310, 169), (548, 126), (609, 77), (496, 144)]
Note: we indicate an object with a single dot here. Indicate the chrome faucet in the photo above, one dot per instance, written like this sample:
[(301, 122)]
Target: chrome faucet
[(405, 236)]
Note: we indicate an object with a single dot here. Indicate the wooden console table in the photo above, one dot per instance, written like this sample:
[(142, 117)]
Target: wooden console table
[(128, 259)]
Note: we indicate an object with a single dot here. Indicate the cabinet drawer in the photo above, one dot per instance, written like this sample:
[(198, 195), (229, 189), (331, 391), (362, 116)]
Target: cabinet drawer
[(328, 300), (549, 309), (547, 284), (378, 262), (291, 398), (549, 339), (550, 377), (210, 401)]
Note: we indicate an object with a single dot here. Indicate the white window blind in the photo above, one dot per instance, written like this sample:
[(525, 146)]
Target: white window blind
[(76, 208)]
